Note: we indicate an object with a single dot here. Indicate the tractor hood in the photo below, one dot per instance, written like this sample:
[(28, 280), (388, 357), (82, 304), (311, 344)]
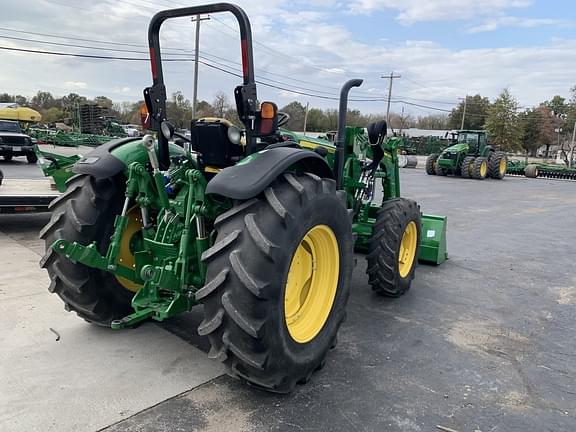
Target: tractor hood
[(456, 148)]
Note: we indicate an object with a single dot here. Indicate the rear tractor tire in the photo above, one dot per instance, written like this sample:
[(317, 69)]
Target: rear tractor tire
[(480, 168), (85, 213), (466, 166), (431, 164), (497, 164), (278, 280), (531, 171), (393, 249)]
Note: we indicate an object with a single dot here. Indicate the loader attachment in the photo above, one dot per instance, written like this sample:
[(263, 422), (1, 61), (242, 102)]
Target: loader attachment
[(433, 244)]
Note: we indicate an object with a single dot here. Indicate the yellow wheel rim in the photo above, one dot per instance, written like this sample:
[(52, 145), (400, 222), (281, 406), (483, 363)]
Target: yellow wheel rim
[(483, 169), (125, 254), (408, 248), (502, 167), (312, 283)]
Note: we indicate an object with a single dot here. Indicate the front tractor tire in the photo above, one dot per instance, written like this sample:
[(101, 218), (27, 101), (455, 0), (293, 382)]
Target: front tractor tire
[(497, 164), (393, 249), (277, 281), (431, 164), (466, 166), (85, 213)]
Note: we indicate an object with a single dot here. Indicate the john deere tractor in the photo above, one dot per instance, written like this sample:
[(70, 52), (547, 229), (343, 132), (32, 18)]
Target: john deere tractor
[(258, 229), (470, 157)]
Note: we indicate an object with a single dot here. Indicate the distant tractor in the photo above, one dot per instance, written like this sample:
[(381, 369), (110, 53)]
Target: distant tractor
[(470, 157)]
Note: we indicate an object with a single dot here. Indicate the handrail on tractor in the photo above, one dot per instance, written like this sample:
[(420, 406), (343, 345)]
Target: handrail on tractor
[(155, 96)]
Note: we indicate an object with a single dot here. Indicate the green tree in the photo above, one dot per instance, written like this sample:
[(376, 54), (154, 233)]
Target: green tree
[(104, 101), (52, 115), (296, 111), (71, 101), (433, 121), (476, 113), (502, 122), (317, 121), (6, 98), (530, 122), (21, 100), (179, 110), (204, 109), (557, 105), (43, 100), (221, 104)]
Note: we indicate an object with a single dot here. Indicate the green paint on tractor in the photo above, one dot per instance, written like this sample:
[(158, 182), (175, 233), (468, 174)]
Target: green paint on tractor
[(148, 229)]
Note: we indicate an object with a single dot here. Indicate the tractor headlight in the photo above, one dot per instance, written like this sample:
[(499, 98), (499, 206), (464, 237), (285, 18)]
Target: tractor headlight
[(234, 135)]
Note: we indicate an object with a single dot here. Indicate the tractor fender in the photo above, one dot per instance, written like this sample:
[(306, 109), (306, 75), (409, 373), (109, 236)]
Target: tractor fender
[(100, 162), (254, 173), (116, 156)]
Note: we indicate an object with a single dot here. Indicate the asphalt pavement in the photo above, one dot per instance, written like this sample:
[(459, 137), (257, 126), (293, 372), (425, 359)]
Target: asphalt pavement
[(484, 342)]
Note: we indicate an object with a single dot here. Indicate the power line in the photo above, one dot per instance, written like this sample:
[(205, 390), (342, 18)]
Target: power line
[(183, 52), (99, 57)]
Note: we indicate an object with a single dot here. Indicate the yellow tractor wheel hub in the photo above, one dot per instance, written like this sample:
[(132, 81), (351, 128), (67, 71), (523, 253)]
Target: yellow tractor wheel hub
[(483, 169), (502, 167), (408, 247), (125, 254), (312, 283)]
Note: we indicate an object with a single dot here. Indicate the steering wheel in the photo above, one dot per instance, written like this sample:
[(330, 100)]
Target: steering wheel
[(283, 118)]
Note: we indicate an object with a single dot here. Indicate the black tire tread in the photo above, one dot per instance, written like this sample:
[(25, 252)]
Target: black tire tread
[(431, 164), (237, 296), (382, 257), (476, 168), (494, 165), (80, 214)]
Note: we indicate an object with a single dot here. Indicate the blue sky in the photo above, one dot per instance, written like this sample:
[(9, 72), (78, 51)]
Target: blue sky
[(443, 49)]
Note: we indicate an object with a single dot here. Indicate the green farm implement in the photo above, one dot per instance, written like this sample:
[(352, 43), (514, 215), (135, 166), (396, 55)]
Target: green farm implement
[(470, 157), (257, 228), (56, 166), (68, 139), (540, 170)]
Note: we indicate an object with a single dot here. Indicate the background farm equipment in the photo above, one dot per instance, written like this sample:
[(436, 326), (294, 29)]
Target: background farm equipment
[(260, 230), (470, 157), (68, 139), (541, 170)]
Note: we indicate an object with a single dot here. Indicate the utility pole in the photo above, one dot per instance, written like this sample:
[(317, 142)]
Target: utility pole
[(572, 146), (306, 117), (391, 77), (197, 19), (464, 112)]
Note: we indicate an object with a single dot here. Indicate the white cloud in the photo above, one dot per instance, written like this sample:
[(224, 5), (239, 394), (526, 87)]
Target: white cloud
[(492, 24), (318, 54), (412, 11), (76, 84)]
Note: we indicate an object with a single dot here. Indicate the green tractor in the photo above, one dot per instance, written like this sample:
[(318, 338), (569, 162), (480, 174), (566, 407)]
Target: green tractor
[(256, 228), (470, 157)]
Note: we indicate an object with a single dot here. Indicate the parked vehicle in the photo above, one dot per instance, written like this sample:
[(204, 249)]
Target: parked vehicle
[(14, 142)]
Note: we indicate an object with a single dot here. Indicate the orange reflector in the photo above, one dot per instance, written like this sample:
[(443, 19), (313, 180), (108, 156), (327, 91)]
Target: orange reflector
[(144, 116), (268, 110)]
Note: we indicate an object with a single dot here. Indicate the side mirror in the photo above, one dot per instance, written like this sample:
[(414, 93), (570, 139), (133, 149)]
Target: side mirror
[(167, 129)]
